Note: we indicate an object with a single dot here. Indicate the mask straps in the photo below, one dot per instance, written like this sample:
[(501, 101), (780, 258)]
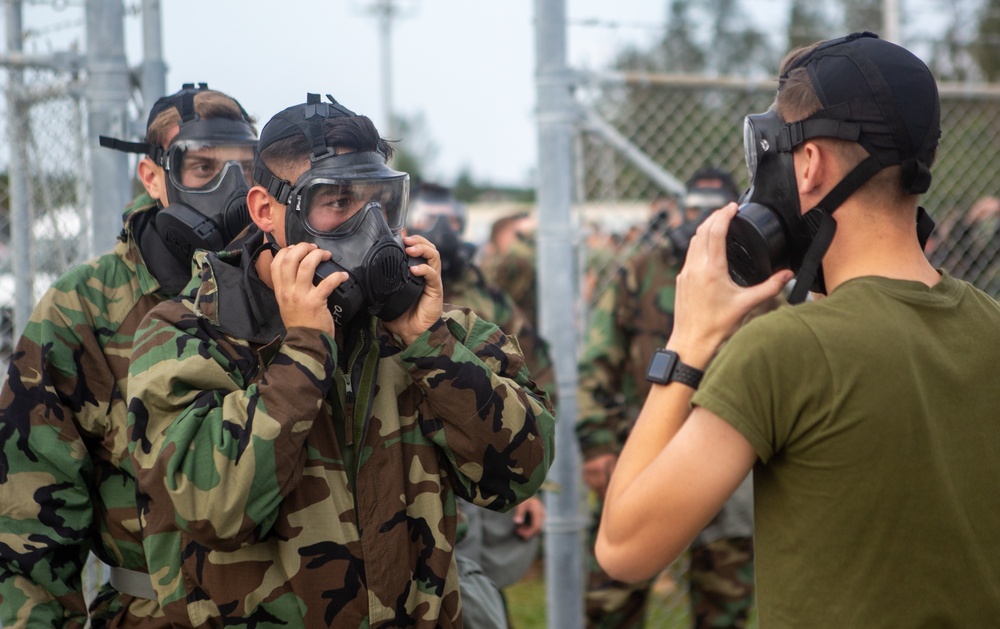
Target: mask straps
[(252, 293), (821, 223), (825, 228), (820, 220)]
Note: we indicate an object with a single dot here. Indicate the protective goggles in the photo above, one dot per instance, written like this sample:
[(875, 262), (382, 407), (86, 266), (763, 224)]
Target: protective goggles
[(705, 200), (422, 215), (761, 133), (201, 165), (336, 190)]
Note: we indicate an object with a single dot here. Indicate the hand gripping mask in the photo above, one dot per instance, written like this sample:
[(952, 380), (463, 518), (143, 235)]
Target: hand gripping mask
[(208, 166), (352, 205), (872, 92)]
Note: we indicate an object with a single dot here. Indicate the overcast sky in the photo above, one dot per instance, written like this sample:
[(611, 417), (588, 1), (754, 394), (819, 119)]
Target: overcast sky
[(466, 66)]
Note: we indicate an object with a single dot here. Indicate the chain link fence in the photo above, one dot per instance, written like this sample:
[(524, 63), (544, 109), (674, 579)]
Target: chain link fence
[(53, 167), (684, 123)]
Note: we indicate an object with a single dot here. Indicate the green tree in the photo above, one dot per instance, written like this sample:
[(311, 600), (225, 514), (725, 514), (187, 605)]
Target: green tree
[(986, 49), (736, 46), (862, 15), (415, 150), (807, 23), (679, 51)]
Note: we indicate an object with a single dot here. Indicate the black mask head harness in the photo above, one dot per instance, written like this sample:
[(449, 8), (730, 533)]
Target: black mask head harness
[(872, 92)]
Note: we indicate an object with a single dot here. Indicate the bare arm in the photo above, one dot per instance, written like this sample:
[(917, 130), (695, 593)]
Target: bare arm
[(679, 467)]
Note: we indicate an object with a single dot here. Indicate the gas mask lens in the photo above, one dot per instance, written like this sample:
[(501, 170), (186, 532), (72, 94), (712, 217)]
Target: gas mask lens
[(328, 204), (202, 166), (750, 135), (425, 216)]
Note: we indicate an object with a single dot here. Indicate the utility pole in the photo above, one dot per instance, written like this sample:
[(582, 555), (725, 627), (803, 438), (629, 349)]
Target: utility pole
[(386, 11), (890, 20)]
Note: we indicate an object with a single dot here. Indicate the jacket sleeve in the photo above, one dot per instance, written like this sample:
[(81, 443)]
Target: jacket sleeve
[(600, 403), (217, 440), (494, 427), (46, 517)]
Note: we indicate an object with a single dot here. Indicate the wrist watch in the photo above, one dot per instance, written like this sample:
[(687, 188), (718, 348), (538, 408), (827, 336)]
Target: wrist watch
[(665, 366)]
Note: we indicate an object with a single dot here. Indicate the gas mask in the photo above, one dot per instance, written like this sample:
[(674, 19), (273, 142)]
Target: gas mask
[(207, 168), (442, 223), (353, 206), (696, 206), (207, 185), (770, 233)]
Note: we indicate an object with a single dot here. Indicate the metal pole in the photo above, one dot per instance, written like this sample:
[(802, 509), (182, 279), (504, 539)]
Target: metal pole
[(17, 176), (386, 11), (107, 100), (890, 20), (154, 70), (557, 287)]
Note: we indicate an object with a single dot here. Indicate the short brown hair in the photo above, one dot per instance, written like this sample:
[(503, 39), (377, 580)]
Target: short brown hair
[(797, 99), (209, 104)]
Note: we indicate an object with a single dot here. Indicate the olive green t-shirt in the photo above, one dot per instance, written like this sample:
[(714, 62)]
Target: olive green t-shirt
[(875, 414)]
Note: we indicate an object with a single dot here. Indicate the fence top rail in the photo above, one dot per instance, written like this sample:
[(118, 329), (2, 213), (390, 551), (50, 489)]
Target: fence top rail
[(988, 91)]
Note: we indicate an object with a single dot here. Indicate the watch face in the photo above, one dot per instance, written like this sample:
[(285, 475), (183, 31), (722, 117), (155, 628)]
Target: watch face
[(660, 366)]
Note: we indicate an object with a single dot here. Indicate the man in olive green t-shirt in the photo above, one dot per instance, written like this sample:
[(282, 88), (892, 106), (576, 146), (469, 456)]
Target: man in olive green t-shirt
[(867, 416)]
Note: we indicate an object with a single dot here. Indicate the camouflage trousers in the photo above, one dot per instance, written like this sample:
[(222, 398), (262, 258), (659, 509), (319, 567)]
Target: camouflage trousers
[(722, 583), (611, 604), (721, 587)]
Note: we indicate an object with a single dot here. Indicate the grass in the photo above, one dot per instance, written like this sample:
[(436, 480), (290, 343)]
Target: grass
[(526, 600)]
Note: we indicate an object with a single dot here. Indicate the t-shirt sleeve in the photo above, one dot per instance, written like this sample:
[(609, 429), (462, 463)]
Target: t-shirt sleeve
[(769, 374)]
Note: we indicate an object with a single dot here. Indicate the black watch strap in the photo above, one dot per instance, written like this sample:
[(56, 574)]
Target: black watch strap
[(686, 374), (665, 367)]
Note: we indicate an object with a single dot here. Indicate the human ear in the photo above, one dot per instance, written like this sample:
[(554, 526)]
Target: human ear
[(261, 207), (811, 166), (151, 177)]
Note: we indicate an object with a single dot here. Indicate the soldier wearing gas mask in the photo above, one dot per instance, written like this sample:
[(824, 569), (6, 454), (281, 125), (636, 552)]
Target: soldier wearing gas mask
[(200, 178), (67, 484), (502, 544), (629, 320), (337, 405), (868, 417)]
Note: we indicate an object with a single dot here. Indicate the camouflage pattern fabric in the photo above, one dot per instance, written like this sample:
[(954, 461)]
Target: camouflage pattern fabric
[(507, 556), (608, 603), (515, 272), (722, 583), (629, 321), (66, 481), (471, 290), (290, 478)]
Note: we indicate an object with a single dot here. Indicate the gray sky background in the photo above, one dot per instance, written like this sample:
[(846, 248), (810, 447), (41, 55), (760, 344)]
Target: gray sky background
[(466, 65)]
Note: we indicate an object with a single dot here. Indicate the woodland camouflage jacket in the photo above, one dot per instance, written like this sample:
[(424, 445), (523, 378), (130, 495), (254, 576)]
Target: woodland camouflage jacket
[(489, 301), (276, 489), (630, 320), (66, 482)]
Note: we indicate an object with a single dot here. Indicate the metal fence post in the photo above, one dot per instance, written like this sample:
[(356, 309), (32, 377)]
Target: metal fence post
[(17, 175), (107, 94), (558, 287), (154, 69)]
